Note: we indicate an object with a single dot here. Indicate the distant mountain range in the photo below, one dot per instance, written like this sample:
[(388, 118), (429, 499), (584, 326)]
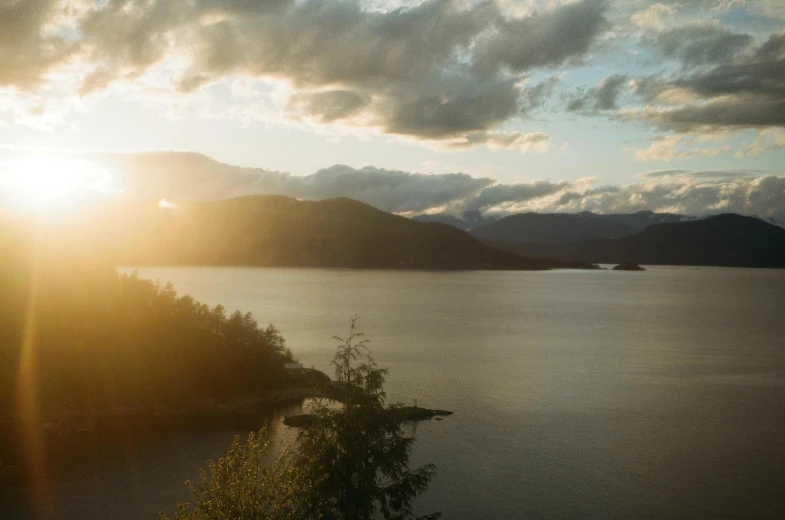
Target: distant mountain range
[(644, 237), (466, 221), (551, 228), (723, 240), (278, 231), (563, 228), (268, 230)]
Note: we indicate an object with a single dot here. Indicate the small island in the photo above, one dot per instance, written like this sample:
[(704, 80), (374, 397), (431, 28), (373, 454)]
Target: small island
[(407, 413), (628, 266)]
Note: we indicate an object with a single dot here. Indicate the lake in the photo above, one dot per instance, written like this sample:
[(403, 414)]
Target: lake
[(577, 394)]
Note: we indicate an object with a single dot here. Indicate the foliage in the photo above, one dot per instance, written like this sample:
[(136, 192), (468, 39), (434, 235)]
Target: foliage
[(351, 464), (241, 486), (100, 341), (363, 443)]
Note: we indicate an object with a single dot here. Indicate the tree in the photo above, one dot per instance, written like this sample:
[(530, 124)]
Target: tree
[(352, 463)]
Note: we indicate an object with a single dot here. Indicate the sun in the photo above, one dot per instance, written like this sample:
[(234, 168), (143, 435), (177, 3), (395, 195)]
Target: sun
[(47, 183)]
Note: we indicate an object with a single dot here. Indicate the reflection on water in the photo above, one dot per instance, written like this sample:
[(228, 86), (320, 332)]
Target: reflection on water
[(591, 394)]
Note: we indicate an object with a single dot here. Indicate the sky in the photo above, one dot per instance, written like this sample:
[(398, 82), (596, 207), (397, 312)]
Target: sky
[(413, 106)]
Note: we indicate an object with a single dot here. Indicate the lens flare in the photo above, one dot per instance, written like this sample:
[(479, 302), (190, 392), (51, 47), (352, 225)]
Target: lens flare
[(36, 183)]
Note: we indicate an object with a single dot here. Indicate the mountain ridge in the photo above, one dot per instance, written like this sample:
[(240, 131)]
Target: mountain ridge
[(280, 231), (727, 240), (562, 228)]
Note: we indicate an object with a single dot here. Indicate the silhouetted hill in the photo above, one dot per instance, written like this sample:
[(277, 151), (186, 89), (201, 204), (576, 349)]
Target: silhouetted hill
[(723, 240), (467, 220), (642, 219), (281, 231), (563, 228)]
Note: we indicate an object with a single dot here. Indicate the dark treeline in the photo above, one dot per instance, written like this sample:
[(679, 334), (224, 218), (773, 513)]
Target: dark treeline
[(86, 339)]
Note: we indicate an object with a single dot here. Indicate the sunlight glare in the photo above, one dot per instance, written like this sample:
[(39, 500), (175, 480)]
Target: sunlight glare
[(163, 204), (35, 183)]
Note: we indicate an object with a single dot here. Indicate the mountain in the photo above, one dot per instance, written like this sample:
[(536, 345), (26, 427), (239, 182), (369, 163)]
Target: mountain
[(724, 240), (266, 230), (643, 219), (563, 228), (466, 221)]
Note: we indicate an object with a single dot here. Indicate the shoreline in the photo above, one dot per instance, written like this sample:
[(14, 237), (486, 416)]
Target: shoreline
[(81, 438)]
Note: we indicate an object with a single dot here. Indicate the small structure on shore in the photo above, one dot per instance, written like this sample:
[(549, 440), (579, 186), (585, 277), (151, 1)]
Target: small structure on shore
[(406, 413), (628, 266)]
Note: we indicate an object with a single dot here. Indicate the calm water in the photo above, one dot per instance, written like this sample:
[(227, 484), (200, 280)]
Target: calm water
[(578, 394)]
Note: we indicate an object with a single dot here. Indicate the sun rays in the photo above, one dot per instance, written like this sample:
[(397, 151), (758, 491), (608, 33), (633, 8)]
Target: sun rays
[(52, 183)]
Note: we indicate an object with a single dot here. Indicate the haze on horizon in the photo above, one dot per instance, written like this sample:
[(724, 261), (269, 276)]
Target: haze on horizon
[(440, 105)]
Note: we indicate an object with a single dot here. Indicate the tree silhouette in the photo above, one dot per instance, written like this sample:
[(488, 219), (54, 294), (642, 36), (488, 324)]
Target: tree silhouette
[(351, 463)]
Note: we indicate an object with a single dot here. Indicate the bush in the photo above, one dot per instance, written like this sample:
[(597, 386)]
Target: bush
[(352, 463)]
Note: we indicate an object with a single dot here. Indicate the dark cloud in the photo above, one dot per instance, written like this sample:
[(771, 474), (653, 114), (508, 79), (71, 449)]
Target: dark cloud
[(544, 39), (328, 106), (119, 38), (27, 52), (739, 111), (748, 92), (449, 104), (436, 70), (433, 71), (726, 83), (700, 44), (608, 91), (601, 97), (536, 95), (315, 43)]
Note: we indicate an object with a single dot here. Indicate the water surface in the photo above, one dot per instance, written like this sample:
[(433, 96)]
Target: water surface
[(591, 394)]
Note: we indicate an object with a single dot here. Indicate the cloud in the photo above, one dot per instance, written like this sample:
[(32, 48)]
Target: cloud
[(507, 198), (29, 47), (703, 174), (746, 92), (678, 147), (526, 142), (727, 82), (180, 176), (734, 111), (654, 16), (432, 70), (766, 141), (601, 97), (700, 43), (448, 104), (327, 106), (536, 95), (190, 176), (391, 190), (544, 39), (762, 196)]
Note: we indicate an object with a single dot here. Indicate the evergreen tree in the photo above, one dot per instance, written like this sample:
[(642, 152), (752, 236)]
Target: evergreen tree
[(352, 463), (362, 444)]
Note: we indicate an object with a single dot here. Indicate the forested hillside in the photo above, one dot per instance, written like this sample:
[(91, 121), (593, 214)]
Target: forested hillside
[(285, 232), (85, 339)]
